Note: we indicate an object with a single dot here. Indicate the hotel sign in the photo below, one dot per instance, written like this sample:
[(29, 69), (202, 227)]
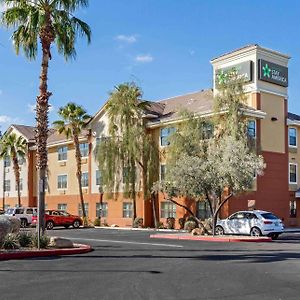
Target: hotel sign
[(242, 70), (272, 73)]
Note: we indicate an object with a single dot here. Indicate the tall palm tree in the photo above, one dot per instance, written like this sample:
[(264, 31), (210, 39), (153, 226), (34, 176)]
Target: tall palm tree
[(15, 148), (74, 119), (129, 145), (47, 22)]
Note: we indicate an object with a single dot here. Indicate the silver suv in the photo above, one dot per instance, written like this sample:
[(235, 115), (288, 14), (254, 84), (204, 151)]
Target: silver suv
[(24, 214)]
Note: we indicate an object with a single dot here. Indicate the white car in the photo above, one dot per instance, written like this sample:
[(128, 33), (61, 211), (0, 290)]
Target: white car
[(24, 214), (255, 223)]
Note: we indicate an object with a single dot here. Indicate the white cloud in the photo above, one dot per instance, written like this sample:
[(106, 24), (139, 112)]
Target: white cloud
[(1, 92), (5, 119), (144, 58), (130, 39)]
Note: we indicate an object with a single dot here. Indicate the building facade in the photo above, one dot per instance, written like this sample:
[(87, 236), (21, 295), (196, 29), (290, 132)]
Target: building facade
[(276, 131)]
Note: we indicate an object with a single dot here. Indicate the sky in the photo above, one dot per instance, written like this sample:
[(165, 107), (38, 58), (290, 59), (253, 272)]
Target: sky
[(163, 45)]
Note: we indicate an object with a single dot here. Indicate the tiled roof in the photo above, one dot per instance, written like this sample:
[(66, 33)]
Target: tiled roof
[(27, 131), (56, 138), (293, 117)]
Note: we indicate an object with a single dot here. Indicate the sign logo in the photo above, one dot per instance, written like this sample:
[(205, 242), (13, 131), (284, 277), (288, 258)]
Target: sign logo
[(242, 71), (272, 73), (267, 70)]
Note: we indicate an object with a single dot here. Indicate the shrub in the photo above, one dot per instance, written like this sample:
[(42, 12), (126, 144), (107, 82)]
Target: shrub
[(10, 242), (44, 241), (161, 225), (138, 222), (170, 223), (97, 222), (181, 222), (190, 225), (105, 223), (25, 239)]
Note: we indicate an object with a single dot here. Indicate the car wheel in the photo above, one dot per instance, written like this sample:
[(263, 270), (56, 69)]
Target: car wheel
[(76, 224), (219, 230), (274, 236), (255, 231), (49, 225), (23, 223)]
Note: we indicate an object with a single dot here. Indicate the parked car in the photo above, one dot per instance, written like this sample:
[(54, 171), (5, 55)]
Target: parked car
[(24, 214), (59, 218), (255, 223)]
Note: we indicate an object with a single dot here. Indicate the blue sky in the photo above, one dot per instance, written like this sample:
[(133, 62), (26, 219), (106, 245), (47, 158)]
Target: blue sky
[(163, 45)]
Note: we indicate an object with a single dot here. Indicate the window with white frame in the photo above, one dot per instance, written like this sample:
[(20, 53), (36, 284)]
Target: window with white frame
[(292, 137), (62, 206), (127, 209), (167, 209), (162, 174), (98, 178), (101, 210), (6, 161), (21, 185), (251, 129), (86, 208), (85, 179), (293, 209), (7, 185), (62, 153), (62, 181), (165, 134), (293, 173), (84, 149)]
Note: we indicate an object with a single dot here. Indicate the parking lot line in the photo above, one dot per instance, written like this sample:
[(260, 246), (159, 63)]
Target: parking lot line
[(127, 242)]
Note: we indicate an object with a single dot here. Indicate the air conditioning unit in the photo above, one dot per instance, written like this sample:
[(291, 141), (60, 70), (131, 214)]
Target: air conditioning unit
[(85, 190), (6, 170), (62, 163), (84, 161), (62, 192)]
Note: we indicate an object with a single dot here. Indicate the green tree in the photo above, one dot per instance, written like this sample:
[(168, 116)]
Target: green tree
[(47, 22), (213, 167), (74, 120), (129, 146), (14, 147)]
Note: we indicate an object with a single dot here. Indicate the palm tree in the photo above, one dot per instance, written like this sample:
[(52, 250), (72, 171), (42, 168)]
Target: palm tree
[(73, 120), (129, 145), (15, 148), (46, 21)]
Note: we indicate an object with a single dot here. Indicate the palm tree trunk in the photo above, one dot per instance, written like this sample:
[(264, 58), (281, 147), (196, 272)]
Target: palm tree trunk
[(79, 175), (17, 176), (42, 106)]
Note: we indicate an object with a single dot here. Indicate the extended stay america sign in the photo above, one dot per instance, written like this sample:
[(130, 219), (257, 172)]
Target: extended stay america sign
[(272, 73)]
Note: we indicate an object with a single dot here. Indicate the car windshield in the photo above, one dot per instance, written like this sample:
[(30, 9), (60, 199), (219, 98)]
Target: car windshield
[(269, 216), (10, 211)]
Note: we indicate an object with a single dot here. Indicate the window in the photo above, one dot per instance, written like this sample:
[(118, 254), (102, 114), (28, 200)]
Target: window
[(203, 210), (165, 134), (62, 206), (293, 209), (127, 210), (7, 185), (85, 179), (86, 208), (292, 137), (101, 210), (251, 129), (167, 209), (84, 149), (21, 185), (62, 181), (162, 175), (293, 174), (6, 161), (207, 130), (62, 153), (98, 178)]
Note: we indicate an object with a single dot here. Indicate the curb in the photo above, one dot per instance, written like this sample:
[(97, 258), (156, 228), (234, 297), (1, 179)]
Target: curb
[(211, 238), (81, 248)]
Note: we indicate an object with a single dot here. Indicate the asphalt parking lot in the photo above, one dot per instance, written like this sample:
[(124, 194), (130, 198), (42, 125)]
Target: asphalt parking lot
[(128, 265)]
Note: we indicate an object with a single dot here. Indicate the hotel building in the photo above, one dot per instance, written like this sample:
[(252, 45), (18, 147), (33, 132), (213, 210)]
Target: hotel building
[(275, 130)]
